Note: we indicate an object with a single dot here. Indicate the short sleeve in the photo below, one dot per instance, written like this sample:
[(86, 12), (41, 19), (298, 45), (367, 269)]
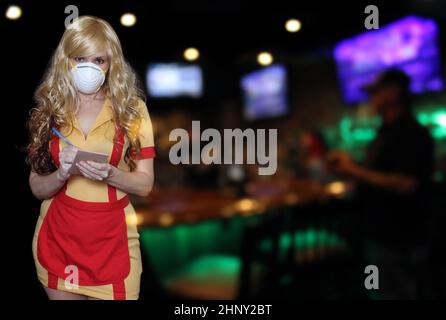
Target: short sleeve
[(145, 134)]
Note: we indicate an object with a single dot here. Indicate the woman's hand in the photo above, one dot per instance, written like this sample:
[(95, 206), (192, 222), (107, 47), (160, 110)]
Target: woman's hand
[(95, 170), (138, 182), (66, 158)]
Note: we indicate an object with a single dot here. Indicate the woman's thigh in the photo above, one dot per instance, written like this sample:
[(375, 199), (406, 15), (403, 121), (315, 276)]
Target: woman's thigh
[(63, 295)]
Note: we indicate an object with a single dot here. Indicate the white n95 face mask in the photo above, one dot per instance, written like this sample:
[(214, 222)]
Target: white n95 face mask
[(88, 77)]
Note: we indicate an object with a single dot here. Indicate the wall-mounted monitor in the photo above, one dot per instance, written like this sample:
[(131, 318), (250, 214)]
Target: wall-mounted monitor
[(172, 80), (265, 93)]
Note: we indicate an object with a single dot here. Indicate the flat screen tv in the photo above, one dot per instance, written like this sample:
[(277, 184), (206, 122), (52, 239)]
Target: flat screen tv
[(409, 44), (265, 93), (172, 80)]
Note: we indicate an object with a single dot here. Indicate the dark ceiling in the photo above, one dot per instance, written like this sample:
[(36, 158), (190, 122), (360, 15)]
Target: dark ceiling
[(231, 26), (228, 32)]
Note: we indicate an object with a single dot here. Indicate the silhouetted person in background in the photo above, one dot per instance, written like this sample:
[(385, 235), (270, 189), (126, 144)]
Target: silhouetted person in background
[(393, 190), (313, 149)]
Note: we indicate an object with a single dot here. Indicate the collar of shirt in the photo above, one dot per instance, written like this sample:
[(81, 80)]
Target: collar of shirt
[(105, 115)]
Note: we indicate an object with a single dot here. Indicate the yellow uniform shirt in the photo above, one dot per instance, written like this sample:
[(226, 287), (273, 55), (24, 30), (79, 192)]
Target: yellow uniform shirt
[(100, 139)]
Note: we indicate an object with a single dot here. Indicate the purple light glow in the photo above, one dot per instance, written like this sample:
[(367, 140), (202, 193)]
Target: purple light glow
[(409, 44)]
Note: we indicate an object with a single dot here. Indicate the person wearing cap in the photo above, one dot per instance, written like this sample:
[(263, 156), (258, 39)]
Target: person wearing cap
[(393, 188)]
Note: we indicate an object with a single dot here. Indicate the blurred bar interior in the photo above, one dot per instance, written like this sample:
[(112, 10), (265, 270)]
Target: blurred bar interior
[(223, 231)]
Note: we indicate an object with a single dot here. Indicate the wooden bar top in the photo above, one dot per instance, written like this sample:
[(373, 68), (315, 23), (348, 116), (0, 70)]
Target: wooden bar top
[(170, 206)]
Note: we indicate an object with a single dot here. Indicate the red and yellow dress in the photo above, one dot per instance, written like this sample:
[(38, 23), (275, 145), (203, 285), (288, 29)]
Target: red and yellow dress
[(86, 234)]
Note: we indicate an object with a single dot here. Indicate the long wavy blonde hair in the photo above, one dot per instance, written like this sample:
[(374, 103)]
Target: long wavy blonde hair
[(57, 99)]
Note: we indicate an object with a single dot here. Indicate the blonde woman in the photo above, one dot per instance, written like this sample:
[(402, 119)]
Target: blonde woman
[(85, 246)]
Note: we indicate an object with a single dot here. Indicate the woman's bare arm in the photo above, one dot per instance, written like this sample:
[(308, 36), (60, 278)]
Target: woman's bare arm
[(45, 186)]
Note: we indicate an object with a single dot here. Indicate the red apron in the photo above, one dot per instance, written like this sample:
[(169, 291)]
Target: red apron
[(91, 236)]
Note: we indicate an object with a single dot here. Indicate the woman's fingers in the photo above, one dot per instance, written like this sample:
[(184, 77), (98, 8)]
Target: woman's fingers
[(94, 170), (91, 169), (99, 166), (68, 152), (88, 174), (71, 155), (67, 156), (70, 149)]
